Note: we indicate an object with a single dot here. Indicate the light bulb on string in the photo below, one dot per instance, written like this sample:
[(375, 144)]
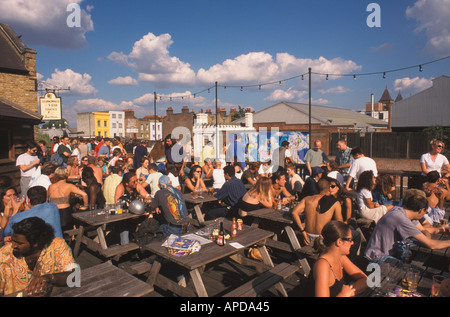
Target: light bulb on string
[(242, 88), (420, 68), (384, 75), (354, 77), (326, 77)]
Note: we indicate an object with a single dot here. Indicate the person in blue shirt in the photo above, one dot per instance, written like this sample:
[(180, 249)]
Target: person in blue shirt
[(48, 212), (230, 194)]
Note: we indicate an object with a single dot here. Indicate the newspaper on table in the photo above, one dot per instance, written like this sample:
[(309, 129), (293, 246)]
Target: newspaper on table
[(180, 246)]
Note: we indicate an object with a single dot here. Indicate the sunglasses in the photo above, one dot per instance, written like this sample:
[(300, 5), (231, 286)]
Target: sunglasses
[(347, 239), (440, 145), (333, 186)]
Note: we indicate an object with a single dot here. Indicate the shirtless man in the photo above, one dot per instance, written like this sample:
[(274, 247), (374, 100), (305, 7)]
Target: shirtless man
[(319, 210), (98, 172)]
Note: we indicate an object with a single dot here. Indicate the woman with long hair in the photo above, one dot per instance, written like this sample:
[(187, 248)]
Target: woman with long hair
[(328, 276), (338, 192), (382, 193), (93, 189), (73, 166), (59, 193), (194, 181), (259, 196), (9, 205), (364, 198)]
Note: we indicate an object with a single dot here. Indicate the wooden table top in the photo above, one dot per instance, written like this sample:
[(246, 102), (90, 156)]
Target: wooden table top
[(203, 198), (211, 252), (271, 214), (105, 280), (100, 219)]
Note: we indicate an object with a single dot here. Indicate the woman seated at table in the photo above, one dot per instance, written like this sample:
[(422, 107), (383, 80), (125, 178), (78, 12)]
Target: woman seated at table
[(93, 189), (194, 181), (59, 193), (218, 175), (343, 197), (364, 199), (259, 196), (327, 277), (383, 190), (73, 166)]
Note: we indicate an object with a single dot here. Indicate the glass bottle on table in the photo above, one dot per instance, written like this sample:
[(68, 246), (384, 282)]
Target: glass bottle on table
[(234, 228), (221, 237), (407, 254)]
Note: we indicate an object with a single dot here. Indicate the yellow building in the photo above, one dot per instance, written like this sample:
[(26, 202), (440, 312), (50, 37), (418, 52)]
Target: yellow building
[(101, 123)]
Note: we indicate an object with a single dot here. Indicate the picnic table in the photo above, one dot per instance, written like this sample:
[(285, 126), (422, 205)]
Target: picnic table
[(393, 277), (104, 280), (198, 203), (282, 218), (91, 232), (209, 254)]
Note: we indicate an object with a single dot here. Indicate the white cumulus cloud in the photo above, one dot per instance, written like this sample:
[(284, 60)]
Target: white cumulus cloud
[(151, 59), (412, 85), (80, 84), (433, 19), (124, 81), (44, 22)]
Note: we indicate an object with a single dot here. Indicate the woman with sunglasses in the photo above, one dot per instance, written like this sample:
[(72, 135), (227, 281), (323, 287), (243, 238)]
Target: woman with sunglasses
[(194, 181), (328, 277), (338, 192), (435, 160)]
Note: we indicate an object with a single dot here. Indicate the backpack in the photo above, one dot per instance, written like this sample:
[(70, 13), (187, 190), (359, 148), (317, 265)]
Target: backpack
[(56, 159)]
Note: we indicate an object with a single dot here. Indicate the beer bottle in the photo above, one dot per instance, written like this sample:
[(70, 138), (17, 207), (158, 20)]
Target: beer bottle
[(234, 228), (221, 237), (279, 203)]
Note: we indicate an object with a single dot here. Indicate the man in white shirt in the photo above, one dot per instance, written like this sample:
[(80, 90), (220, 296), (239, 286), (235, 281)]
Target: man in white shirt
[(28, 163), (153, 178), (360, 164)]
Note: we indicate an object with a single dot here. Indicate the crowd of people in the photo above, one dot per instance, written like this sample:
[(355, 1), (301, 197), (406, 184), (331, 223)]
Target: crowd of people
[(76, 174)]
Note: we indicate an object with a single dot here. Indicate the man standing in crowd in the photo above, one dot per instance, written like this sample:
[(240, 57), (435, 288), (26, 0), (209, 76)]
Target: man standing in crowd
[(315, 157), (28, 163), (105, 149), (64, 150), (360, 164), (282, 156), (343, 158)]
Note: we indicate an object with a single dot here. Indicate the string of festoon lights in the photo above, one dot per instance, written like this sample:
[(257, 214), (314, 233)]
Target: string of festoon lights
[(304, 75)]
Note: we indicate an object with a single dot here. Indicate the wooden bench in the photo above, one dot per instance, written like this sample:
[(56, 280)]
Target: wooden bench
[(264, 281)]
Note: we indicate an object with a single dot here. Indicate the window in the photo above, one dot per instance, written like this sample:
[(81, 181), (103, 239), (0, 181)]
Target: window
[(105, 123), (120, 125), (113, 125), (113, 115), (98, 123), (120, 116)]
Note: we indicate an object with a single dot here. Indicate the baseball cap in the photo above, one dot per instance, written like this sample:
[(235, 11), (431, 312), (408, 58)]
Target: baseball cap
[(317, 170), (164, 179)]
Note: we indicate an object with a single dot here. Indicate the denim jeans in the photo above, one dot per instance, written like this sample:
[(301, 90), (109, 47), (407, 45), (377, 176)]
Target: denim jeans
[(168, 230)]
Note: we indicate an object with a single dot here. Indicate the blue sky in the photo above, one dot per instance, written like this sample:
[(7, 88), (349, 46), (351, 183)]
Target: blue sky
[(124, 51)]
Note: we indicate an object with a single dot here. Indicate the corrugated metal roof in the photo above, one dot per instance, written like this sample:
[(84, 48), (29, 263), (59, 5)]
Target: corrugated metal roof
[(298, 113)]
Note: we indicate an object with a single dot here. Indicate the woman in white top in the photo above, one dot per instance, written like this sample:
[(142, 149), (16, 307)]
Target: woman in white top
[(364, 199), (434, 160), (218, 175)]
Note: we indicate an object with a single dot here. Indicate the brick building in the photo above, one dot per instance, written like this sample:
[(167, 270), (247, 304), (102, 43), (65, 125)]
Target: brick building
[(18, 100)]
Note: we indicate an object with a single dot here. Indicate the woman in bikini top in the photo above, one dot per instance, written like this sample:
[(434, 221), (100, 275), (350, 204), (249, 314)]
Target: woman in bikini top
[(327, 276)]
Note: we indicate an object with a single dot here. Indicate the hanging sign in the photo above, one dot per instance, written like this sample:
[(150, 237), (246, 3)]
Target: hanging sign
[(51, 107)]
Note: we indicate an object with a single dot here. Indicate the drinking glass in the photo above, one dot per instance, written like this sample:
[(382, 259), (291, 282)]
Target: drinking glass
[(412, 278), (436, 286)]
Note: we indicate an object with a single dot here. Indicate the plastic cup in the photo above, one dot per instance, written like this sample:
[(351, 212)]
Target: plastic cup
[(436, 285)]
